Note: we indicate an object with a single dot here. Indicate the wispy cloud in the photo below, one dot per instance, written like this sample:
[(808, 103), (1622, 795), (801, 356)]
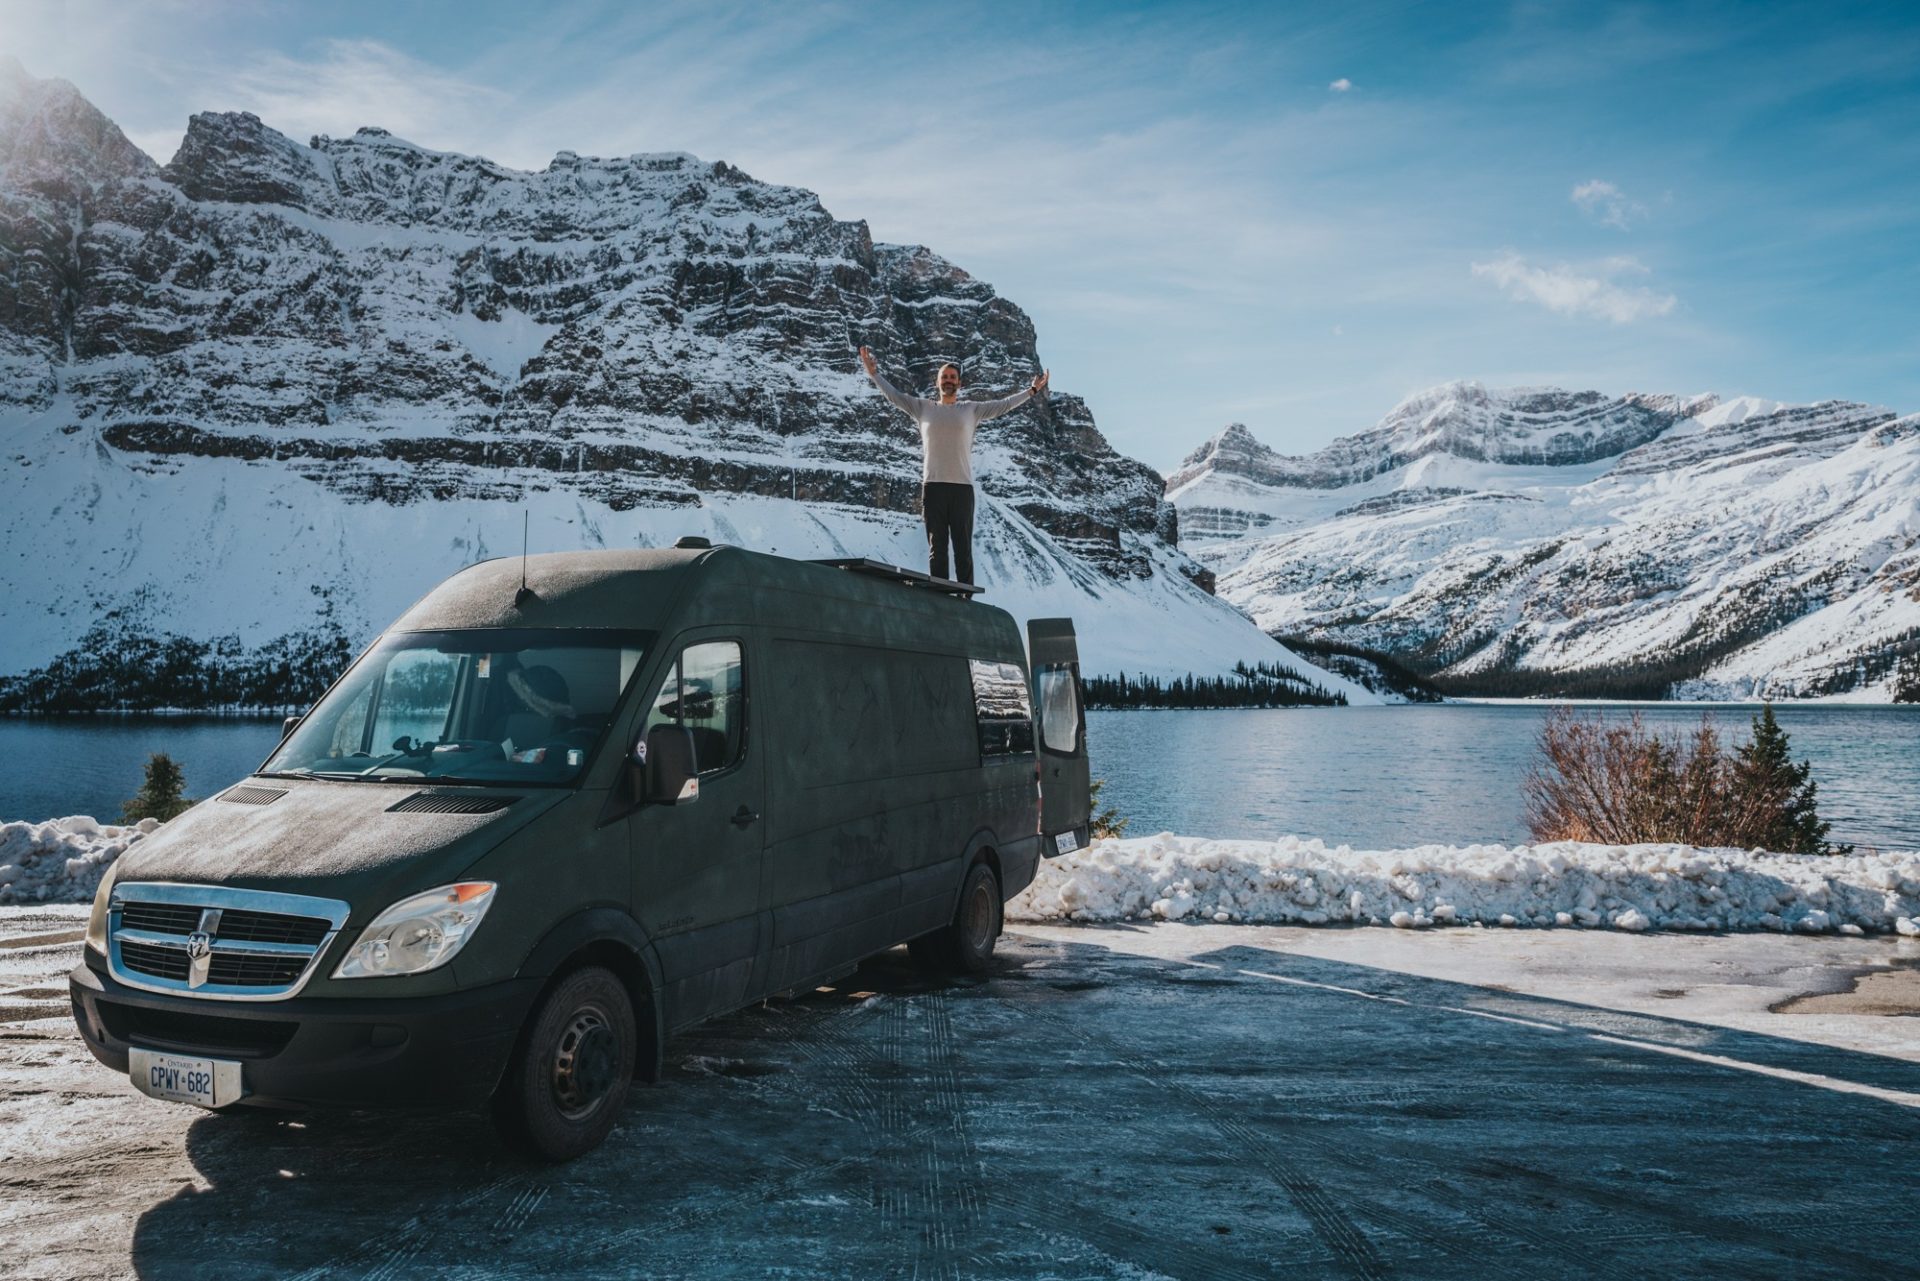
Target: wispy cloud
[(362, 82), (1593, 291), (1607, 204), (1161, 187)]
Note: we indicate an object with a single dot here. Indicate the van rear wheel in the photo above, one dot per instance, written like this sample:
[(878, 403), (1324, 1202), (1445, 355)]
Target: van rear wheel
[(568, 1079), (965, 945)]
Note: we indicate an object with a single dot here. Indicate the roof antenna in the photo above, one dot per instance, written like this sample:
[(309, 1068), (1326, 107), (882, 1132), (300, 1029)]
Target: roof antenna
[(525, 594)]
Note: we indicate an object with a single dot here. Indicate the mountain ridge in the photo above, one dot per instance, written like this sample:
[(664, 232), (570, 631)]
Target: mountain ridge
[(266, 376), (1547, 542)]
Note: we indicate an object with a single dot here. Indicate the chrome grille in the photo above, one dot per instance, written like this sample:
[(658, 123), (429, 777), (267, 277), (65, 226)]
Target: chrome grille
[(217, 942), (161, 918), (160, 962), (272, 927)]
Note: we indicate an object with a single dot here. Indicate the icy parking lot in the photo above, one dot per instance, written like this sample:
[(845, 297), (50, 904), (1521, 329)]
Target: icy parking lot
[(1209, 1101)]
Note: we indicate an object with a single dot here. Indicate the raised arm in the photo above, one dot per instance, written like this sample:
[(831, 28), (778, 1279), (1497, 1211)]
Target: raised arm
[(985, 409), (911, 406)]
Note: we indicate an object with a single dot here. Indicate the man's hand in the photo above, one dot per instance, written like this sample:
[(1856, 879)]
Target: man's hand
[(866, 358), (1039, 383)]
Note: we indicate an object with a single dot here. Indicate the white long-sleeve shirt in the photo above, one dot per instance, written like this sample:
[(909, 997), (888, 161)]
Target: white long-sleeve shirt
[(946, 431)]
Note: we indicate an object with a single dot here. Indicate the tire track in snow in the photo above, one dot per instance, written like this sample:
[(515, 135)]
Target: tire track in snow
[(520, 1209), (950, 1176), (1728, 1230), (1818, 1253), (752, 1195), (1116, 1239), (406, 1239), (1350, 1247)]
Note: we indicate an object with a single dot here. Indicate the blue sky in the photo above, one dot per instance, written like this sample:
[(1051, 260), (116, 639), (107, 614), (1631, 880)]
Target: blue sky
[(1289, 216)]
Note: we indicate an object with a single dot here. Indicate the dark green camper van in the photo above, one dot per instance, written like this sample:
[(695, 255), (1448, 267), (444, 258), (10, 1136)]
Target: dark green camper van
[(568, 805)]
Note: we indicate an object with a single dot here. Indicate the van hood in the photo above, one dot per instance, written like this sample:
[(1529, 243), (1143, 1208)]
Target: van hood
[(334, 839)]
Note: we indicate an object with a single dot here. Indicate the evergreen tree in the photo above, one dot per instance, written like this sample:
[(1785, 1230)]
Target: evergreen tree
[(159, 796), (1105, 822), (1775, 798), (1906, 680)]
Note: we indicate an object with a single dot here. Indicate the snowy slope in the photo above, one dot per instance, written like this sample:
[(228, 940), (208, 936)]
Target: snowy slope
[(1540, 541), (270, 388)]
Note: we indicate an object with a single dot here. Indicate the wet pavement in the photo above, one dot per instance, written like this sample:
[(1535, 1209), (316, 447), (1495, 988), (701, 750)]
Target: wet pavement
[(1205, 1102)]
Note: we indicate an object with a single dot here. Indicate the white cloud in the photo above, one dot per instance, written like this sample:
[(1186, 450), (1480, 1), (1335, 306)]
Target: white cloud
[(361, 82), (1341, 85), (1607, 204), (1593, 290)]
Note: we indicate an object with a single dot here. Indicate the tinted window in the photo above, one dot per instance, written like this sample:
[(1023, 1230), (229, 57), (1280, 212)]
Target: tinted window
[(705, 690), (1060, 709), (1001, 708)]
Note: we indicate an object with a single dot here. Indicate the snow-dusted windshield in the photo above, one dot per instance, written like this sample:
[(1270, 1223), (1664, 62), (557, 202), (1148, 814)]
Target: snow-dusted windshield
[(485, 706)]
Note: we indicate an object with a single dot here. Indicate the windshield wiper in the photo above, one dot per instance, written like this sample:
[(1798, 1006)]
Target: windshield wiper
[(335, 776)]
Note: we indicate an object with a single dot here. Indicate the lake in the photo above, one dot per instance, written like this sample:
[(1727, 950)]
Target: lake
[(1363, 776)]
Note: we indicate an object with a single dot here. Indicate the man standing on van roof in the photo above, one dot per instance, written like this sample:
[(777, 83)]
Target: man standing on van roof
[(946, 467)]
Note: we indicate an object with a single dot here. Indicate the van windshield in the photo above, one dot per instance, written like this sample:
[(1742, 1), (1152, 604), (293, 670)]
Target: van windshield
[(516, 706)]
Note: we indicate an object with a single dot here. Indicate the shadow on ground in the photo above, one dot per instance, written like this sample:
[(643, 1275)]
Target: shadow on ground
[(1084, 1112)]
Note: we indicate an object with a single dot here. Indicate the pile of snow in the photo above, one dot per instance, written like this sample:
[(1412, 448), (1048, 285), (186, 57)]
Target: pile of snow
[(1300, 882), (1625, 887), (62, 859)]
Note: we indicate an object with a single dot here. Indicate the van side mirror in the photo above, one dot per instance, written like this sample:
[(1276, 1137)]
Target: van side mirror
[(669, 775), (287, 726)]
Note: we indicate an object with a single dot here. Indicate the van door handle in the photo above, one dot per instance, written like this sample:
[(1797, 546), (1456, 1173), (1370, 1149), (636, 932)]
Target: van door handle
[(743, 817)]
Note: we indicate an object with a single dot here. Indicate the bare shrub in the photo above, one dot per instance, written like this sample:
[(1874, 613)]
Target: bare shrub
[(1622, 784)]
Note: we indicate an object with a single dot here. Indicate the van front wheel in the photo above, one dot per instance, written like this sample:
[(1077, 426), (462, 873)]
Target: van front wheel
[(965, 945), (568, 1080)]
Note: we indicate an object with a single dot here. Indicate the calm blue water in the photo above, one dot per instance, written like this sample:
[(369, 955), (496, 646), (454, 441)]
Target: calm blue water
[(1396, 776), (1367, 776)]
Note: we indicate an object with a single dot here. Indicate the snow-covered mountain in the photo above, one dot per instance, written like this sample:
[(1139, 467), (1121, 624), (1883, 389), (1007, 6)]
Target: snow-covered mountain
[(275, 389), (1546, 541)]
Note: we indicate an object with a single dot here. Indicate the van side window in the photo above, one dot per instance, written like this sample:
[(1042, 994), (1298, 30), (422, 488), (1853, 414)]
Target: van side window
[(705, 691), (1001, 709), (1059, 709)]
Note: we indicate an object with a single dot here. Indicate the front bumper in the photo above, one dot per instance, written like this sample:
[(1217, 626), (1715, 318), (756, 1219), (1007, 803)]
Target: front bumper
[(416, 1051)]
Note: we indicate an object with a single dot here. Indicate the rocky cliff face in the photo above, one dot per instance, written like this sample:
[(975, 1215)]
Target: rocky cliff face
[(1549, 542), (272, 374)]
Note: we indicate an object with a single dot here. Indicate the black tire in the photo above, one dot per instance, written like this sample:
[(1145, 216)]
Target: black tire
[(965, 944), (567, 1082)]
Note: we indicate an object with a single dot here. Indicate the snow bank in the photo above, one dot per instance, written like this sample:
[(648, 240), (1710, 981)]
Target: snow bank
[(1296, 882), (1623, 887), (62, 859)]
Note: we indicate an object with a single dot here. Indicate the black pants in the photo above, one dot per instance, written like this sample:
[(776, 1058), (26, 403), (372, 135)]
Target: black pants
[(947, 509)]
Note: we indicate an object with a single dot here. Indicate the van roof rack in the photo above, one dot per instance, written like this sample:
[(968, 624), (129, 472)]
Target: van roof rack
[(907, 577)]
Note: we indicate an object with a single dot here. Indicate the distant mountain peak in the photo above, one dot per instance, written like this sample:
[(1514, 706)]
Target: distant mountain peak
[(1542, 541), (373, 358), (50, 135)]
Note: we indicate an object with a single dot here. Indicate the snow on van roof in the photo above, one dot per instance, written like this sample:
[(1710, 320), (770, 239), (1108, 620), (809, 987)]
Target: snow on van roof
[(640, 587), (569, 589)]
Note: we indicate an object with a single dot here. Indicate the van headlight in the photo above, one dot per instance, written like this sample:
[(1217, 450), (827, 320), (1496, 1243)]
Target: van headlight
[(102, 901), (419, 933)]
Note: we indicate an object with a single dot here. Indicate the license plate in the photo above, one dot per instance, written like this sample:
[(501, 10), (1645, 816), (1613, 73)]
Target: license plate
[(178, 1078), (1066, 842)]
